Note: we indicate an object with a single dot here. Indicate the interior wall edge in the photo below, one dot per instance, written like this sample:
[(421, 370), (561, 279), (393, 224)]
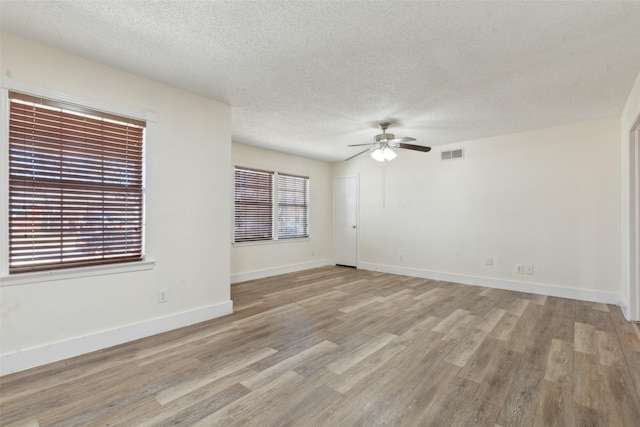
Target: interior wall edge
[(21, 360), (490, 282)]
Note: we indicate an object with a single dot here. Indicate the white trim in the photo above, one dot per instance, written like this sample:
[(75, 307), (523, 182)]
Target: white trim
[(41, 355), (268, 272), (74, 273), (270, 242), (632, 312), (490, 282), (630, 225), (630, 135), (4, 182)]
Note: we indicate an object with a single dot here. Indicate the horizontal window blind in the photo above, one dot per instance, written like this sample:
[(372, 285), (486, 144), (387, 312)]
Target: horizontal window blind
[(293, 206), (75, 186), (253, 205)]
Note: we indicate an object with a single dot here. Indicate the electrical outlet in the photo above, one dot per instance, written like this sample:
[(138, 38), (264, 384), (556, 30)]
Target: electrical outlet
[(162, 296), (489, 260), (313, 253), (519, 269), (529, 269), (400, 257)]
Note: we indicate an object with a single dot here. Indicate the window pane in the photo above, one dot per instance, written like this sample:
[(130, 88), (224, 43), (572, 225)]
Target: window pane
[(253, 205), (293, 206), (75, 188)]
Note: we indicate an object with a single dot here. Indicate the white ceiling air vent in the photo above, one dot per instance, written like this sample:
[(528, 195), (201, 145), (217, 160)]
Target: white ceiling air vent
[(452, 154)]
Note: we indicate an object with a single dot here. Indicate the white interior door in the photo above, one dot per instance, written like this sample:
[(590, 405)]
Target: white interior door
[(345, 220)]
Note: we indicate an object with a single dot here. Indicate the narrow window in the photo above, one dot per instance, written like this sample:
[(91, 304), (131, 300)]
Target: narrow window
[(253, 205), (75, 186), (293, 206)]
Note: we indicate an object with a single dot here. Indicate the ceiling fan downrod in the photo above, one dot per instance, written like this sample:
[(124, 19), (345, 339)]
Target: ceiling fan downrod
[(384, 137)]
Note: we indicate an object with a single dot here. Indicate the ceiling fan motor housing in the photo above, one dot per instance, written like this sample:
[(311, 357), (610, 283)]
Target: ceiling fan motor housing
[(383, 136)]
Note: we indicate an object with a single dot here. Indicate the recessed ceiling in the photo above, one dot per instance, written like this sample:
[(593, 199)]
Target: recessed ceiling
[(309, 78)]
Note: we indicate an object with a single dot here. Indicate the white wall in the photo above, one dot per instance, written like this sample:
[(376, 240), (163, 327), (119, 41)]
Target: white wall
[(629, 119), (251, 261), (548, 198), (188, 212)]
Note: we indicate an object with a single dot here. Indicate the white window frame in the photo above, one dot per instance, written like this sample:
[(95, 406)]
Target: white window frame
[(274, 208), (6, 279)]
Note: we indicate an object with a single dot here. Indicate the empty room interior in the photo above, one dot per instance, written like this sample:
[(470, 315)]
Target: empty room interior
[(319, 213)]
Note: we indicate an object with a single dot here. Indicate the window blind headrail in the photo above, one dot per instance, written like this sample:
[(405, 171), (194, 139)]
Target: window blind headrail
[(73, 107)]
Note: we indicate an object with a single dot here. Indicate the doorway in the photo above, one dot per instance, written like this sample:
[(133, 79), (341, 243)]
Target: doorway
[(634, 222), (345, 220)]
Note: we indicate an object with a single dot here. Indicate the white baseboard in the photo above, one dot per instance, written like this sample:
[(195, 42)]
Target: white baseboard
[(268, 272), (36, 356), (490, 282)]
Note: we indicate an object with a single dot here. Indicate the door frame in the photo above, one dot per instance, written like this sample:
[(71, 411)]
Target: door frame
[(633, 236), (357, 180)]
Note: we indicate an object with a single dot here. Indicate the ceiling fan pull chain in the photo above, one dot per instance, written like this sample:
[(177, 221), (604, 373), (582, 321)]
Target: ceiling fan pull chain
[(384, 184)]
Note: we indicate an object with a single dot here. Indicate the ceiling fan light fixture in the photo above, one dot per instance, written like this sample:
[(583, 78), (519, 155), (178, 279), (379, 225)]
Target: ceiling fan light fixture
[(382, 154)]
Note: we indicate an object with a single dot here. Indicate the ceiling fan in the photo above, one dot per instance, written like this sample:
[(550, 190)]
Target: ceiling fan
[(383, 143)]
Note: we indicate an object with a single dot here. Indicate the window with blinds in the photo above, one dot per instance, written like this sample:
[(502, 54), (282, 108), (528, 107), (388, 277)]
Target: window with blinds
[(75, 186), (293, 206), (253, 205), (261, 197)]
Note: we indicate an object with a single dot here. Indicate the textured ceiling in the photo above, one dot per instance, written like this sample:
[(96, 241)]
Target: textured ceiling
[(309, 78)]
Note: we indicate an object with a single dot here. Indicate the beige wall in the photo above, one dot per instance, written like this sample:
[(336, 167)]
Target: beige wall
[(187, 213), (548, 198), (249, 261)]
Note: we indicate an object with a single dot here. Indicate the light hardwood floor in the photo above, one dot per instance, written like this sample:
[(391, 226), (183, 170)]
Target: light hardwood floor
[(343, 347)]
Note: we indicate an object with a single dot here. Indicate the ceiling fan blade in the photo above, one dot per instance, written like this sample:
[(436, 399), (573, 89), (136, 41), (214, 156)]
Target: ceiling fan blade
[(403, 139), (415, 147), (356, 155), (362, 145)]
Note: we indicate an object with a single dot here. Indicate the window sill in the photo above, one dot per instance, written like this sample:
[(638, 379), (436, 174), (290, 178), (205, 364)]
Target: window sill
[(270, 242), (75, 273)]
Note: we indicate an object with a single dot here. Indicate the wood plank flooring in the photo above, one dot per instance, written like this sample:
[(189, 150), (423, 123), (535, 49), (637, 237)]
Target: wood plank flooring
[(342, 347)]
